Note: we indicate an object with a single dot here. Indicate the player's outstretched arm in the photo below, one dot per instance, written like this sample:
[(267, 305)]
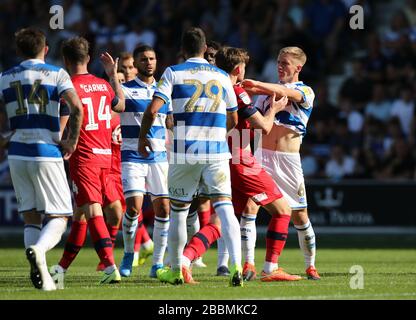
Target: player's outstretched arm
[(75, 121), (149, 117), (110, 67), (232, 120), (258, 87), (265, 123), (5, 133)]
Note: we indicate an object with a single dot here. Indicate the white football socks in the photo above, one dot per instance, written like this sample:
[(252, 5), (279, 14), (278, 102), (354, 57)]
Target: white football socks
[(248, 236), (269, 267), (177, 234), (160, 239), (129, 232), (192, 224), (51, 234), (230, 230), (31, 234), (223, 254), (306, 237)]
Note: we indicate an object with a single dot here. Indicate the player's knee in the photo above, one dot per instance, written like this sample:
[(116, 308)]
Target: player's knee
[(32, 218), (300, 217), (113, 217), (204, 204), (162, 208), (132, 211), (251, 208), (280, 207)]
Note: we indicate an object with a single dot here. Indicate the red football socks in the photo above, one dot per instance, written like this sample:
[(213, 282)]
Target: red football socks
[(101, 240), (201, 241), (113, 231), (276, 237), (74, 243), (204, 217)]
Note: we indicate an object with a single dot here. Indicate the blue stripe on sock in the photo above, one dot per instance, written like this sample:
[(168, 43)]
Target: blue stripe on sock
[(179, 209), (33, 226), (303, 229), (249, 219), (131, 218), (162, 220), (222, 203)]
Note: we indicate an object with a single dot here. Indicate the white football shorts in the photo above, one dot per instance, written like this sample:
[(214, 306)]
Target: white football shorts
[(209, 179), (145, 178), (286, 170), (41, 186)]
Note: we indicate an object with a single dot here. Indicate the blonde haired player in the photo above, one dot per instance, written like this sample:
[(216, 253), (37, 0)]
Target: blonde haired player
[(279, 152)]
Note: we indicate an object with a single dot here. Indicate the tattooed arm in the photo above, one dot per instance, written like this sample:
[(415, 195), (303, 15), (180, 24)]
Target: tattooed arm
[(75, 121)]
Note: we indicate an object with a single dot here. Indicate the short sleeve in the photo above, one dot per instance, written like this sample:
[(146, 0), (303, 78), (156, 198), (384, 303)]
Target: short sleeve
[(230, 97), (170, 109), (245, 105), (63, 82), (165, 86), (308, 96)]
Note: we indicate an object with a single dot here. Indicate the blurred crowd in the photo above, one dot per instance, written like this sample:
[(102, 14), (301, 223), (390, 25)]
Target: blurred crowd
[(366, 129)]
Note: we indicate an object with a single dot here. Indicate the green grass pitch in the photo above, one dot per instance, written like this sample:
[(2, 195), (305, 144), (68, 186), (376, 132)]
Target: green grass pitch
[(388, 274)]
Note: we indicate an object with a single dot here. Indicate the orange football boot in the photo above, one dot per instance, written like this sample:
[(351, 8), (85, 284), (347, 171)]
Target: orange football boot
[(278, 275)]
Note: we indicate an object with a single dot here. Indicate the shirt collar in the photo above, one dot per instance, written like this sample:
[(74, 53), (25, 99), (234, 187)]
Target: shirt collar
[(144, 84), (297, 82), (32, 61), (196, 59)]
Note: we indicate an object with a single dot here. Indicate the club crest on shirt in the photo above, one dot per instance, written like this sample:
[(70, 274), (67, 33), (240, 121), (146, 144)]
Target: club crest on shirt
[(245, 97), (305, 90)]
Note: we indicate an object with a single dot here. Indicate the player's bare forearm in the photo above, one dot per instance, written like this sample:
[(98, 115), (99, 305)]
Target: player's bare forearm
[(63, 120), (232, 120), (147, 122), (4, 123), (149, 116), (5, 133), (75, 125), (115, 84), (265, 122), (76, 117), (256, 91), (273, 88)]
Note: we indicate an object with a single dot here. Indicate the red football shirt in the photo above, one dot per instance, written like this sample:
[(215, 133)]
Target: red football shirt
[(245, 111), (94, 144)]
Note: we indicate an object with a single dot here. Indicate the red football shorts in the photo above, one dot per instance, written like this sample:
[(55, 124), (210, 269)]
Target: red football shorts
[(88, 184), (114, 190), (249, 180)]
